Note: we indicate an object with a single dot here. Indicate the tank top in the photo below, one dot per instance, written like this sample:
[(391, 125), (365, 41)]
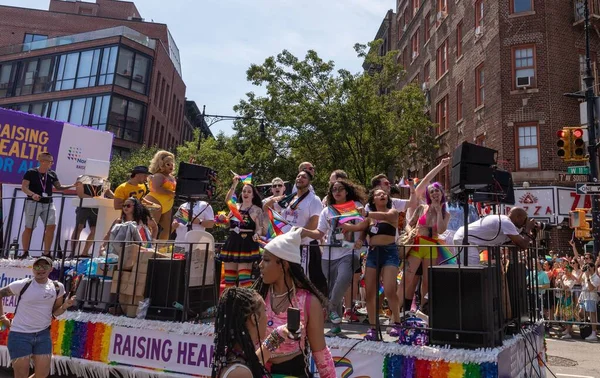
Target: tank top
[(247, 223), (302, 302)]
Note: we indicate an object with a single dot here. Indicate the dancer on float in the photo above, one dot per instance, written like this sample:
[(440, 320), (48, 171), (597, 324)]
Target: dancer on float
[(283, 284), (341, 255), (380, 223), (240, 325), (241, 248), (162, 190)]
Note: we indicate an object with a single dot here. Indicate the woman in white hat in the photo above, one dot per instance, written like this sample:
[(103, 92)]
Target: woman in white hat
[(283, 284)]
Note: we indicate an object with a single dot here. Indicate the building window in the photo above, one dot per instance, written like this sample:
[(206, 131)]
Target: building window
[(406, 17), (416, 4), (442, 114), (399, 28), (480, 85), (415, 45), (528, 147), (7, 77), (426, 74), (37, 76), (518, 6), (67, 69), (125, 119), (442, 11), (459, 101), (33, 41), (427, 27), (478, 17), (442, 59), (459, 39), (444, 176), (132, 70), (480, 140), (107, 66), (523, 67)]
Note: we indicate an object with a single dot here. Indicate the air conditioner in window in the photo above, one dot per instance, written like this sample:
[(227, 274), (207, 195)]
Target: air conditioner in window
[(478, 31), (524, 82), (441, 15)]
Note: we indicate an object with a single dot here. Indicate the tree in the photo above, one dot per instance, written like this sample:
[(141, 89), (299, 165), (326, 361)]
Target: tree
[(358, 122), (120, 168)]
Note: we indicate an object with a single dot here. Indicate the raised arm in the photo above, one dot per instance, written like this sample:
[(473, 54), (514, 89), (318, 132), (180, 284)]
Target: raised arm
[(420, 190), (231, 191)]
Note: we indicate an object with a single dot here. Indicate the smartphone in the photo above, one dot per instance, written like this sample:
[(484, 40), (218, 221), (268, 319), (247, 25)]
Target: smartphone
[(293, 319)]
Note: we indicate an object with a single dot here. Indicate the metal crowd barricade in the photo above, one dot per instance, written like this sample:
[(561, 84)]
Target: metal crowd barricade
[(566, 306)]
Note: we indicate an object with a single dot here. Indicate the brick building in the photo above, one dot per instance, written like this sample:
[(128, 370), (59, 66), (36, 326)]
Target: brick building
[(494, 73), (94, 64)]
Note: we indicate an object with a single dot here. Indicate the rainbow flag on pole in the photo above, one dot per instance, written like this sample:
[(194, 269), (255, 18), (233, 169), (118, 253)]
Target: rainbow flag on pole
[(246, 179), (232, 205), (347, 212), (281, 226)]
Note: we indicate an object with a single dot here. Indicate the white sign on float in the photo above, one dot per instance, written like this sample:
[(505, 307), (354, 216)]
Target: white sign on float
[(9, 274)]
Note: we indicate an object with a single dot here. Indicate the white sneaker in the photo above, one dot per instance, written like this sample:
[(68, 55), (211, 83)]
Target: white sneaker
[(566, 336), (592, 337)]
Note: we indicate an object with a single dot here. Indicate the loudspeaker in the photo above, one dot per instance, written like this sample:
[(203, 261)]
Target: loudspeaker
[(193, 188), (466, 176), (500, 191), (195, 181), (479, 309), (164, 286), (516, 276), (473, 154), (194, 172)]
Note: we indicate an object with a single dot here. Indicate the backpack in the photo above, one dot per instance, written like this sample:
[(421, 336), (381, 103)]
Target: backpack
[(29, 281)]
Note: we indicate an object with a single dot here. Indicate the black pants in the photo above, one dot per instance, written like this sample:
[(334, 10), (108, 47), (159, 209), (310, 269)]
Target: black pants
[(315, 270), (296, 367)]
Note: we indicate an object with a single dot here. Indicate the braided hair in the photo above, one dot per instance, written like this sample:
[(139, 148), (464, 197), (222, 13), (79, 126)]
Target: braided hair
[(235, 307)]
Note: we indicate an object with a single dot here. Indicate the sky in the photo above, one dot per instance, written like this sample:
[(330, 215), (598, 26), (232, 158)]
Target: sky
[(218, 40)]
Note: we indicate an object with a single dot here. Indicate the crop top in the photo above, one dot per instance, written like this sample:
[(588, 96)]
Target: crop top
[(289, 347), (422, 222), (247, 223), (382, 229)]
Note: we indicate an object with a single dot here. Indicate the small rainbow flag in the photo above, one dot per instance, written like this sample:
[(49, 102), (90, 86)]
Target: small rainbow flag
[(347, 212), (281, 225), (146, 237), (232, 205), (246, 179), (182, 215)]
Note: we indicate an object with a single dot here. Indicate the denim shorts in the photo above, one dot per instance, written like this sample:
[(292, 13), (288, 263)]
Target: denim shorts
[(22, 344), (588, 305), (387, 255)]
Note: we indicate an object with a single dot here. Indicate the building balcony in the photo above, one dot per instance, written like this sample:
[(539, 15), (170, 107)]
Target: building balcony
[(579, 11), (123, 31)]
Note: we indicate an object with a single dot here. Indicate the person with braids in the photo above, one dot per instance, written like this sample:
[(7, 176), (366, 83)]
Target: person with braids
[(341, 256), (241, 248), (283, 284), (240, 325)]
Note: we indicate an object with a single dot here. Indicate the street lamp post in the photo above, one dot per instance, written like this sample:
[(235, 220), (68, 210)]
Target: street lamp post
[(211, 119)]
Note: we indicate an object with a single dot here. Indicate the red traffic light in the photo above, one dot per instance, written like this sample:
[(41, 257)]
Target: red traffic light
[(561, 133), (577, 133)]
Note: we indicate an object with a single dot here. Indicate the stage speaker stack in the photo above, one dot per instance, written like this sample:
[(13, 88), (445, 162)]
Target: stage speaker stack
[(476, 321), (501, 191), (471, 167), (195, 182)]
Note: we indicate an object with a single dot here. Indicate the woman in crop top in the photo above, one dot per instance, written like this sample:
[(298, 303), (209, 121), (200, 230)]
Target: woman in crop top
[(428, 222), (241, 248), (162, 190), (381, 227), (283, 284)]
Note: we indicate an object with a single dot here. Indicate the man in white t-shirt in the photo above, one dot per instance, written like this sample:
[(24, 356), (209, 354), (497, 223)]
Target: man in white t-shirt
[(203, 217), (39, 299), (494, 230), (277, 189)]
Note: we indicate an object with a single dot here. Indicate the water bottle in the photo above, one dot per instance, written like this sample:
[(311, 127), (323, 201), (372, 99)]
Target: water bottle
[(14, 248)]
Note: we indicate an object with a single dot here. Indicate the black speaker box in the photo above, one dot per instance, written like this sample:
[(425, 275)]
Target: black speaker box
[(473, 154), (516, 276), (187, 187), (500, 191), (194, 172), (478, 311), (164, 286), (466, 176)]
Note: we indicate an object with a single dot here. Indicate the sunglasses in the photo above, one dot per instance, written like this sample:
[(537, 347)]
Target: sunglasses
[(338, 189), (41, 267), (127, 206), (277, 185)]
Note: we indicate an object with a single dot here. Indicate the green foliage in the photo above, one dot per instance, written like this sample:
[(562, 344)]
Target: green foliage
[(120, 168)]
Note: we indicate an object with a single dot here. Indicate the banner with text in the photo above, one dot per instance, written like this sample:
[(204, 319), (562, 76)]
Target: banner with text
[(169, 352), (8, 274), (22, 138)]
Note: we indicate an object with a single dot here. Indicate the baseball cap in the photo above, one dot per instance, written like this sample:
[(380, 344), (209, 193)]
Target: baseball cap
[(140, 169), (43, 258)]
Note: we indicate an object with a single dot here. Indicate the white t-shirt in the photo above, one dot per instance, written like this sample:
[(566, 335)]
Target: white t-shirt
[(306, 209), (206, 213), (335, 236), (489, 230), (34, 313)]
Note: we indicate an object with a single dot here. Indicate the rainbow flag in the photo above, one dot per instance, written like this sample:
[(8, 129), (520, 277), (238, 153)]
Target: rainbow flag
[(347, 212), (182, 215), (281, 225), (246, 179), (271, 230), (232, 205), (146, 237)]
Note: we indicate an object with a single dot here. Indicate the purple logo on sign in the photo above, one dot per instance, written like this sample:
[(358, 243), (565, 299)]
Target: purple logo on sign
[(22, 138)]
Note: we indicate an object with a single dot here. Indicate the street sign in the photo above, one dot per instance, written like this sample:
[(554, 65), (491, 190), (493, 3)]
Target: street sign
[(566, 177), (579, 170), (588, 188)]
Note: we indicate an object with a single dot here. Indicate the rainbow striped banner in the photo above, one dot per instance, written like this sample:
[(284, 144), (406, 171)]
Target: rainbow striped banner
[(86, 340)]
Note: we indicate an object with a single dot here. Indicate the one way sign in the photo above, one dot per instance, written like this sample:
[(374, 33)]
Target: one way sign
[(588, 188)]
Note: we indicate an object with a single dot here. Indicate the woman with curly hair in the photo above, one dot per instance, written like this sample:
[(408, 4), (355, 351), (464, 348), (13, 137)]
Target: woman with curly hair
[(162, 190), (283, 284), (241, 248), (131, 226), (240, 325), (341, 256)]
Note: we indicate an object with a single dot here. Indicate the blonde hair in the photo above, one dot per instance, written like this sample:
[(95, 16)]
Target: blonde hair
[(157, 164)]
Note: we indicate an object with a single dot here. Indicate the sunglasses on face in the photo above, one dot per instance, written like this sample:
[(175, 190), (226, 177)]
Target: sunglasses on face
[(338, 189), (127, 206), (277, 185), (41, 267)]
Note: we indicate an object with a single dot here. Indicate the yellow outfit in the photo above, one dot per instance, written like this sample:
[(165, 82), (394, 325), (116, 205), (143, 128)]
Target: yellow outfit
[(166, 200), (126, 190)]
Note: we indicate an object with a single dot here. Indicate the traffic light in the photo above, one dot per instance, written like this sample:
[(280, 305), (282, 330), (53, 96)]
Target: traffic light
[(578, 145), (564, 143), (581, 224)]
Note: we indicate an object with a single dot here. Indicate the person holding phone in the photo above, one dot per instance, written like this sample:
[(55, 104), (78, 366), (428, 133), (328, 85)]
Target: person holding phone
[(282, 285)]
